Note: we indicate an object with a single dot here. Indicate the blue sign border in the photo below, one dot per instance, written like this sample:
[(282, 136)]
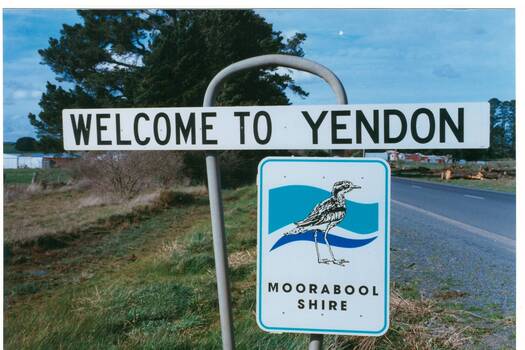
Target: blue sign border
[(387, 226)]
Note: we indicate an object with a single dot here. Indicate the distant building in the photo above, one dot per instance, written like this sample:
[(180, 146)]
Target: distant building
[(11, 161), (31, 161), (413, 157), (37, 160), (436, 159), (393, 156), (389, 155), (423, 158), (372, 154)]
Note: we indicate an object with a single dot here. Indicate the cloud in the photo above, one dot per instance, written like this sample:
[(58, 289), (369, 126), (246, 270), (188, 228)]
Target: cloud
[(24, 81), (288, 34), (22, 94), (446, 71), (17, 126), (129, 59), (297, 75), (22, 91)]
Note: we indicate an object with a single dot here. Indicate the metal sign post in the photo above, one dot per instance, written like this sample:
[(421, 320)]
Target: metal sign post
[(214, 181)]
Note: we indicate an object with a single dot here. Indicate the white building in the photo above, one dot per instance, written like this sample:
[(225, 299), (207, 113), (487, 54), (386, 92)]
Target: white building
[(389, 155), (37, 160), (10, 161), (31, 161)]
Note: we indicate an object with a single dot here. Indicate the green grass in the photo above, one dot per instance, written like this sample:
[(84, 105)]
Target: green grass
[(151, 285), (18, 176), (24, 176), (502, 185)]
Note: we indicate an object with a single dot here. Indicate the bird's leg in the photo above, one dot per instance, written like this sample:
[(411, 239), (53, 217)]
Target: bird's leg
[(341, 262), (328, 244), (319, 260), (316, 247), (324, 261)]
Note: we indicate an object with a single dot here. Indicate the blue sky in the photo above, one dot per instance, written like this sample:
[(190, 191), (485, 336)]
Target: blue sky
[(381, 56)]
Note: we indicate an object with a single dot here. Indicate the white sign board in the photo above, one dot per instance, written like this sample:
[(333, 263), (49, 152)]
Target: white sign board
[(323, 245), (401, 126)]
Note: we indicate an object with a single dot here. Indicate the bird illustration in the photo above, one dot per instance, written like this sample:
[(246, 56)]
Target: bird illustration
[(326, 214)]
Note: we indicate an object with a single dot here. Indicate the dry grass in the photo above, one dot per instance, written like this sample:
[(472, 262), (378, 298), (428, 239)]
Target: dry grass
[(241, 258), (166, 250), (143, 199), (415, 324), (94, 200), (51, 212), (30, 211), (194, 190)]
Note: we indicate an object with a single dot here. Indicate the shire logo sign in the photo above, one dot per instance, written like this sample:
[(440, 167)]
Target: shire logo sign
[(323, 245)]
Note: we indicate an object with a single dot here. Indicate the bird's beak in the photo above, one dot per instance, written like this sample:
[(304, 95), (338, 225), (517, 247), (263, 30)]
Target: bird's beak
[(355, 187)]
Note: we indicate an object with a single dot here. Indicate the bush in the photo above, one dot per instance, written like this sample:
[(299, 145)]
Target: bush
[(169, 198), (125, 174), (239, 168), (26, 144)]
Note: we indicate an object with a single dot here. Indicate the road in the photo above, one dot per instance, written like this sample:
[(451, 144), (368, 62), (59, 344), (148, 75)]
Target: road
[(454, 238)]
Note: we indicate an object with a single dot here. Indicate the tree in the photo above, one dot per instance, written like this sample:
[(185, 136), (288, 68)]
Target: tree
[(123, 58), (502, 135), (198, 44), (26, 144), (48, 123), (503, 128)]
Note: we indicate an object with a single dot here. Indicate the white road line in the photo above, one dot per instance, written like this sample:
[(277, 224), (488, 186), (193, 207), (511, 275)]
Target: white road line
[(472, 196), (416, 186), (507, 242)]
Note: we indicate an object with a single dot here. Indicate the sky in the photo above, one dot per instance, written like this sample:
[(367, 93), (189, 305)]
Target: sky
[(381, 56)]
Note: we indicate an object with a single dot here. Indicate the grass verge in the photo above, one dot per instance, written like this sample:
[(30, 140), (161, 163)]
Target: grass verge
[(24, 176), (502, 185), (151, 285)]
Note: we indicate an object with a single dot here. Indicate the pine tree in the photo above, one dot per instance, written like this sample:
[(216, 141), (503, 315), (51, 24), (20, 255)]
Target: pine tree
[(125, 58)]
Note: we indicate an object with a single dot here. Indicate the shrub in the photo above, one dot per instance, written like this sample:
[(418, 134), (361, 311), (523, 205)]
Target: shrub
[(125, 174), (168, 198)]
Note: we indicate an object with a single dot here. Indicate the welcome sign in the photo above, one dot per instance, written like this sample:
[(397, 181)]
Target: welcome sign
[(401, 126), (323, 245)]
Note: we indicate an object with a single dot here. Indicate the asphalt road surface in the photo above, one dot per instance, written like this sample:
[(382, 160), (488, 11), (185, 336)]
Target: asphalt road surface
[(454, 238)]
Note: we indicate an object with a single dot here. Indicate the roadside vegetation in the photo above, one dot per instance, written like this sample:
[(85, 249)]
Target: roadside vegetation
[(495, 175), (141, 275), (25, 176)]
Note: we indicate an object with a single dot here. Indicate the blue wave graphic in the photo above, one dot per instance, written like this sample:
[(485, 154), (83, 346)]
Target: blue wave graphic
[(288, 204), (335, 241)]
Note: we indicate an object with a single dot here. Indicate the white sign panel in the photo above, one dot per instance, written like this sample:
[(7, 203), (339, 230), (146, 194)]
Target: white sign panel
[(323, 245), (402, 126)]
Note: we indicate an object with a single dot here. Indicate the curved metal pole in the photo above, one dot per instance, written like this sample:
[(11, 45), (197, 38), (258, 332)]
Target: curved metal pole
[(214, 181), (275, 60)]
